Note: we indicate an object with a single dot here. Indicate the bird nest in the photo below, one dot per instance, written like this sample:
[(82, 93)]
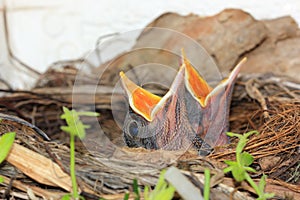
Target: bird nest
[(261, 102)]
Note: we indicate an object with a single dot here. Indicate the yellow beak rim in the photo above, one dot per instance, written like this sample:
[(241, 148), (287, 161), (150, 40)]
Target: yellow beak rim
[(141, 101)]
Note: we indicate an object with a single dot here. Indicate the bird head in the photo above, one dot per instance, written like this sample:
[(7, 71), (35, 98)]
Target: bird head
[(155, 122), (213, 103)]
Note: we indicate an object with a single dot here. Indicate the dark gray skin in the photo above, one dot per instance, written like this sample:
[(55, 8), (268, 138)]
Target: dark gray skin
[(182, 121), (134, 130), (170, 129), (213, 122)]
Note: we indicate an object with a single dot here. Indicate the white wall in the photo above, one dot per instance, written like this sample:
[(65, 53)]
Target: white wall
[(42, 32)]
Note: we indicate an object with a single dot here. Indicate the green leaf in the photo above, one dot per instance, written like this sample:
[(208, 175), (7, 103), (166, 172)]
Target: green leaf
[(67, 197), (126, 196), (165, 193), (250, 169), (231, 134), (241, 166), (268, 195), (81, 197), (79, 130), (262, 183), (1, 179), (66, 113), (88, 114), (251, 133), (146, 192), (230, 162), (232, 165), (227, 169), (238, 173), (6, 142), (136, 190), (70, 197), (75, 126), (162, 190), (161, 180), (241, 144), (66, 129), (246, 159), (243, 139)]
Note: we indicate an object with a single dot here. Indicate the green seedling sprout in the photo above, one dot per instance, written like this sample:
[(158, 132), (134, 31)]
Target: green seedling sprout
[(162, 190), (240, 168), (76, 129), (136, 190), (206, 184), (6, 142)]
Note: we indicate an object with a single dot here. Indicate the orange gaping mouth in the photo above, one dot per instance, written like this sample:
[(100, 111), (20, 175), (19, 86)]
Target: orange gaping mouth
[(141, 101), (147, 104), (195, 83)]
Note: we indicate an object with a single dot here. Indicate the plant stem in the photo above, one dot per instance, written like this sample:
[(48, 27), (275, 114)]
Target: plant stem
[(72, 166), (206, 184), (253, 184)]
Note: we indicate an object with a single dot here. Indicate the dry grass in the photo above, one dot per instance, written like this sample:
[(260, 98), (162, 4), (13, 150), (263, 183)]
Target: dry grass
[(265, 103)]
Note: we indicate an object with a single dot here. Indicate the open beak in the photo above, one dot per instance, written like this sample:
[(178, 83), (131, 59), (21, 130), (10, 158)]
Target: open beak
[(190, 109), (200, 89), (213, 104), (195, 84), (166, 116), (147, 104), (140, 100)]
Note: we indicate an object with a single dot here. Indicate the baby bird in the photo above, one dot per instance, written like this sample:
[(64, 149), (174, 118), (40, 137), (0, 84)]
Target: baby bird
[(190, 114)]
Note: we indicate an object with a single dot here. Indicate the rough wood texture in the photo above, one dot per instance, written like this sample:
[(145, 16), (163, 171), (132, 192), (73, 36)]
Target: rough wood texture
[(270, 45), (38, 167), (226, 36)]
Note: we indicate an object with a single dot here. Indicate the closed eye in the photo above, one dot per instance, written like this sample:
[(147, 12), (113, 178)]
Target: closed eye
[(133, 128)]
